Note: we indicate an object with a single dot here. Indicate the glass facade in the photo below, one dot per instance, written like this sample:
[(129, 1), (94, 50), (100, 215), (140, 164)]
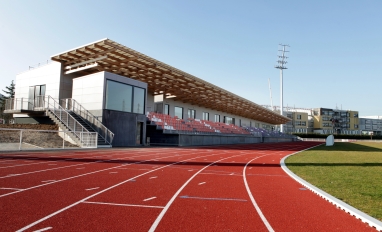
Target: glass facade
[(217, 118), (179, 112), (123, 97), (139, 100), (206, 116), (167, 109), (191, 113)]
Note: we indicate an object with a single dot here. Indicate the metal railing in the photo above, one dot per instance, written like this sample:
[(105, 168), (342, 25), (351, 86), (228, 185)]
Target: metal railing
[(50, 104), (94, 122), (18, 104)]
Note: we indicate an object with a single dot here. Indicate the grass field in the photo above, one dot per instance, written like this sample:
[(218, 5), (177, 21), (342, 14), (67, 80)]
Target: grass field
[(352, 172)]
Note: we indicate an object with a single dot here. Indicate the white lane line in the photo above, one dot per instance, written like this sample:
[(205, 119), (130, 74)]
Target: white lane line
[(201, 183), (190, 170), (212, 198), (265, 221), (43, 229), (84, 167), (149, 199), (266, 175), (95, 194), (153, 177), (128, 205), (163, 212), (11, 189), (92, 189), (217, 174), (232, 174), (44, 181)]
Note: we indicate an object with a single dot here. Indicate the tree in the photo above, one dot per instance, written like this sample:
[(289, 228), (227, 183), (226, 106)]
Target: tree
[(10, 93)]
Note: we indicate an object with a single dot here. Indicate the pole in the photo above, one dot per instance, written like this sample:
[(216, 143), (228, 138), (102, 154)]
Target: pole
[(281, 99)]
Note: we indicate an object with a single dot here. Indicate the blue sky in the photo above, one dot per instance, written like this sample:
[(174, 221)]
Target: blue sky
[(335, 46)]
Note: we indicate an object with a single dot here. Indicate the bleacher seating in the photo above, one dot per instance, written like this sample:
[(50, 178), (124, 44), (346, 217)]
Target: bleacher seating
[(191, 125)]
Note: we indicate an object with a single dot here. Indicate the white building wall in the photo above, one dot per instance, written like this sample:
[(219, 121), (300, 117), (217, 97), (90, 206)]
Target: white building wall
[(48, 75), (89, 91)]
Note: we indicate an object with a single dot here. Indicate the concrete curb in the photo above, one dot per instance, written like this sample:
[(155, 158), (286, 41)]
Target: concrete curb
[(338, 203)]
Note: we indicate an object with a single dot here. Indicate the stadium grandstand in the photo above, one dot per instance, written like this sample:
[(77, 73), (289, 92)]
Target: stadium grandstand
[(131, 99)]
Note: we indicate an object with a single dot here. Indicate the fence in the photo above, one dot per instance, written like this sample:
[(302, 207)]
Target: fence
[(23, 139)]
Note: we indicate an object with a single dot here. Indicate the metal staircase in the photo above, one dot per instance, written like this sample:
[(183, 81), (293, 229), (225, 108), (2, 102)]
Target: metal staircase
[(89, 121), (75, 130)]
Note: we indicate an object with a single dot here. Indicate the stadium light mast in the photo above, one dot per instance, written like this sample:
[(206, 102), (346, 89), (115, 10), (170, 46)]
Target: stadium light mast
[(281, 64)]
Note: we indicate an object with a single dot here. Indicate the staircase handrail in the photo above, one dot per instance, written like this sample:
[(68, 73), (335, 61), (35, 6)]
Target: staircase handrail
[(49, 103), (94, 122)]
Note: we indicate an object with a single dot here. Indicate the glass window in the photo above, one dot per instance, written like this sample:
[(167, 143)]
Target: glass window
[(206, 116), (167, 109), (191, 113), (217, 118), (139, 100), (179, 112), (229, 120), (118, 96)]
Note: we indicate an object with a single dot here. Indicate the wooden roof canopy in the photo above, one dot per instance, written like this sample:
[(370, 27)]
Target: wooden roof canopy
[(107, 55)]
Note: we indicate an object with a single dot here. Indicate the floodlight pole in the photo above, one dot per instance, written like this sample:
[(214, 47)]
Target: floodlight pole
[(281, 62)]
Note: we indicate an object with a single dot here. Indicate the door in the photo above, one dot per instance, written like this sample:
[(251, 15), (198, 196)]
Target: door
[(138, 134)]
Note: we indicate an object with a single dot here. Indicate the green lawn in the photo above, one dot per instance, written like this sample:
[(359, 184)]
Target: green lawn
[(352, 172)]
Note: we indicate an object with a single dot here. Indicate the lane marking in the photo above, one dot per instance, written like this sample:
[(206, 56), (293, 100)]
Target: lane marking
[(92, 189), (149, 199), (11, 189), (153, 177), (43, 229), (163, 212), (129, 205), (217, 174), (44, 181), (266, 175), (265, 221), (201, 183), (213, 199), (190, 170), (95, 194)]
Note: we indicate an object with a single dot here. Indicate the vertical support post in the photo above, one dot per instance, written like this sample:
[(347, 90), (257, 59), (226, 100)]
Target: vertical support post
[(21, 139), (63, 141), (21, 104)]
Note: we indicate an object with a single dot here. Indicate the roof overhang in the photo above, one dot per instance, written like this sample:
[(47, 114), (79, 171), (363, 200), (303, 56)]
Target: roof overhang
[(107, 55)]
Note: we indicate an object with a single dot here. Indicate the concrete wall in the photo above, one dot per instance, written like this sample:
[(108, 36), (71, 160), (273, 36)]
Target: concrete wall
[(124, 127)]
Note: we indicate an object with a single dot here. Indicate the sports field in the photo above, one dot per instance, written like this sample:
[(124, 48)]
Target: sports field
[(217, 188), (352, 172)]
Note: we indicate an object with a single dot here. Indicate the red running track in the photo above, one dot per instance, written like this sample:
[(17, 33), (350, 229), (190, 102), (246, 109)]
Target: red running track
[(222, 188)]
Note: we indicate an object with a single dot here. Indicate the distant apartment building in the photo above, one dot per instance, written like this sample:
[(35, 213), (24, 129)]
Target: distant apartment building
[(335, 121), (370, 124), (299, 123)]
